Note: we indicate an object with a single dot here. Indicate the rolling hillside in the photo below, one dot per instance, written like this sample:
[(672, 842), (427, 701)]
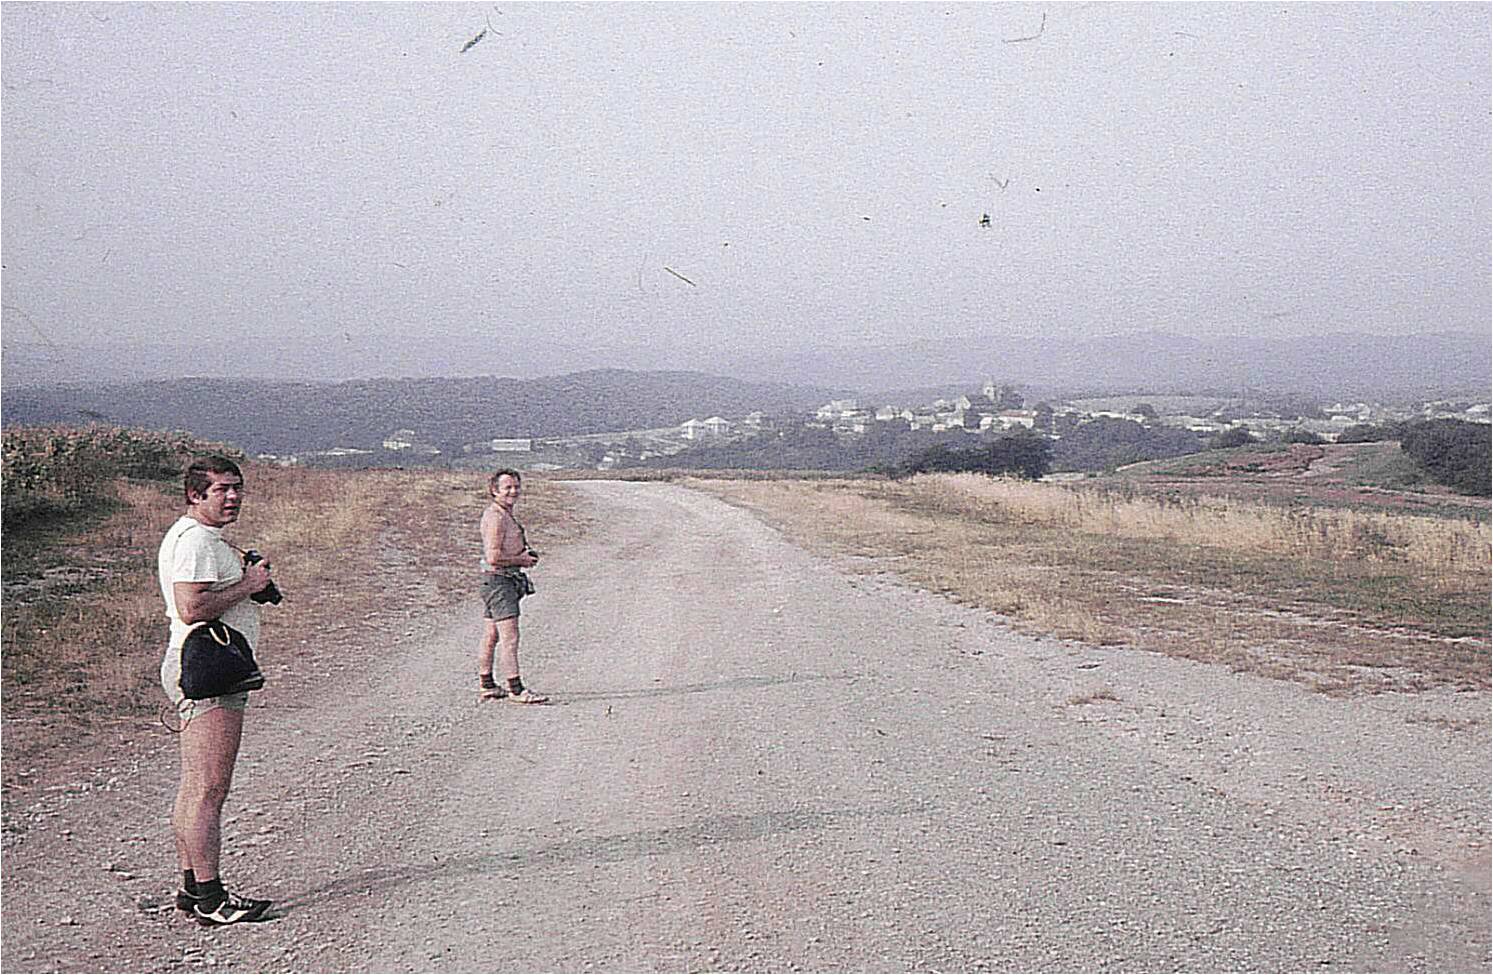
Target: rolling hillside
[(279, 417)]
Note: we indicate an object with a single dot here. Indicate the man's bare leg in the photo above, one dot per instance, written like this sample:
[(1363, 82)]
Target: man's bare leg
[(506, 632), (209, 749), (508, 661), (485, 659)]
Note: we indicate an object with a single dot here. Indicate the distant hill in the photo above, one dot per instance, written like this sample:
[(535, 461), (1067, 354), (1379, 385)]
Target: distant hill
[(1328, 366), (1063, 366), (283, 417)]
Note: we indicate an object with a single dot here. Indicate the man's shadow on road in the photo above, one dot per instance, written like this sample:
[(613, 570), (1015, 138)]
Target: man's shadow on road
[(729, 684), (707, 834)]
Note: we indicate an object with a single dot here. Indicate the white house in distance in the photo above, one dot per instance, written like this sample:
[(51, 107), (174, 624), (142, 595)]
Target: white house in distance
[(511, 445), (854, 422), (400, 440), (951, 419), (716, 426), (835, 409)]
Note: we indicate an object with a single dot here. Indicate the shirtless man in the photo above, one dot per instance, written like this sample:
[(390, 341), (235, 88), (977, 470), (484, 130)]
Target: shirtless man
[(505, 554)]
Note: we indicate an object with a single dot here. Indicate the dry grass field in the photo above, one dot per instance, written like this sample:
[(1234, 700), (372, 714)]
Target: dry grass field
[(84, 626), (1344, 601)]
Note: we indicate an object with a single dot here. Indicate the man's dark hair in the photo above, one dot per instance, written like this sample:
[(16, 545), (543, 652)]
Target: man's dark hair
[(199, 474), (492, 482)]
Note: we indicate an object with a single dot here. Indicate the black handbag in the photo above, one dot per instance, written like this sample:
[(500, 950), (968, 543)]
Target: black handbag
[(217, 660)]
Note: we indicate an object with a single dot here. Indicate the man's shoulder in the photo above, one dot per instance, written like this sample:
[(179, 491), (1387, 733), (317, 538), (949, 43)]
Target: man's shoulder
[(181, 527), (193, 552), (188, 532)]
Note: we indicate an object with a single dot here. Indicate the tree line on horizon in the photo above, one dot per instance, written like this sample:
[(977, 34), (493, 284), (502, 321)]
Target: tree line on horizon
[(288, 417), (263, 417), (1454, 453)]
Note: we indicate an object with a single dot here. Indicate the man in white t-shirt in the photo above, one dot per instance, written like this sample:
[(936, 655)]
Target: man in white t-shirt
[(203, 578)]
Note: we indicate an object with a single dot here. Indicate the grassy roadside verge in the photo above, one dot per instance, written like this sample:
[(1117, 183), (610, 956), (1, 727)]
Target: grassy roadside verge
[(84, 624), (1343, 602)]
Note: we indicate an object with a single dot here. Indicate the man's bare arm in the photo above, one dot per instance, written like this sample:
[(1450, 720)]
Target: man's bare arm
[(522, 560), (196, 602), (492, 541)]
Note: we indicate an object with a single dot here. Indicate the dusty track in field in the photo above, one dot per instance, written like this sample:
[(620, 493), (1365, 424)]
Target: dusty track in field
[(759, 762)]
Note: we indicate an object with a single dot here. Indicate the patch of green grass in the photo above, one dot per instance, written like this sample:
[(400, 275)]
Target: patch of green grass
[(1384, 465)]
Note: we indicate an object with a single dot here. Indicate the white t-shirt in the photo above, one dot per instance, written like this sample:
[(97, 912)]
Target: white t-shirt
[(193, 552)]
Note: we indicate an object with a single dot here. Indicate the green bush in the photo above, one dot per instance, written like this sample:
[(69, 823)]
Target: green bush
[(1371, 432), (1298, 435), (56, 471), (1106, 443), (1454, 452), (1232, 437), (1027, 457)]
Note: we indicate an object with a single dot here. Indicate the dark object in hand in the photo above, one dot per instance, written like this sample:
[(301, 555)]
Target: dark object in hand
[(270, 593), (533, 554)]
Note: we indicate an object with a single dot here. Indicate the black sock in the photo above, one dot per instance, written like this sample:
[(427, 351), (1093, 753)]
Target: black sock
[(189, 882), (515, 686), (486, 681), (210, 894)]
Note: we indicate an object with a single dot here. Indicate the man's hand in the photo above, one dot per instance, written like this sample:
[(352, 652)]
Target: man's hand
[(256, 576)]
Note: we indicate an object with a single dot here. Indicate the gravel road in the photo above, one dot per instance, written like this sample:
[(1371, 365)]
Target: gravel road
[(762, 759)]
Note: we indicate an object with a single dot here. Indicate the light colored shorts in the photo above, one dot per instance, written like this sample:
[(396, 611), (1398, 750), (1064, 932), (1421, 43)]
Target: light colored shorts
[(186, 708)]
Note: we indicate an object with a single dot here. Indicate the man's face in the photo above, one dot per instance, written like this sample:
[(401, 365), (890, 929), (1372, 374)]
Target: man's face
[(508, 490), (219, 506)]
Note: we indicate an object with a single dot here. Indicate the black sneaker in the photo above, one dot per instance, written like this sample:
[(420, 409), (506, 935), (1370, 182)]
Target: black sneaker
[(185, 901), (232, 910)]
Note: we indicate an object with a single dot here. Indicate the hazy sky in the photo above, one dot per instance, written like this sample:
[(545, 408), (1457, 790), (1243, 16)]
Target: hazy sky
[(263, 173)]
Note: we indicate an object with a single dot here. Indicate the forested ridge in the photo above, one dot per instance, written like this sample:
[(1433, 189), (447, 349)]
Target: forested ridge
[(285, 417)]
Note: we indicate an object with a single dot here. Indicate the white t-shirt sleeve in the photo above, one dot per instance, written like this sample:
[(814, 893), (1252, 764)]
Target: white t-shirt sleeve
[(197, 559)]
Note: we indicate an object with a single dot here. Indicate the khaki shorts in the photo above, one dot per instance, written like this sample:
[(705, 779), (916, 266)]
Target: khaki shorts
[(186, 708), (500, 595)]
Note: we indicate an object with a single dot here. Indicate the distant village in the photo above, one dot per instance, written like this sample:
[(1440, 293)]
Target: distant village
[(993, 409)]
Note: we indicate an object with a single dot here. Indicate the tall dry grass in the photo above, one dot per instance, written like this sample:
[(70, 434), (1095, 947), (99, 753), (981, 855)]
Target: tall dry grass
[(355, 552), (1340, 600), (1436, 547)]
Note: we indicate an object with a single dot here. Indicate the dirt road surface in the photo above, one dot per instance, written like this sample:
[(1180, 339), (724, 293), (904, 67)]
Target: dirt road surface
[(762, 759)]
